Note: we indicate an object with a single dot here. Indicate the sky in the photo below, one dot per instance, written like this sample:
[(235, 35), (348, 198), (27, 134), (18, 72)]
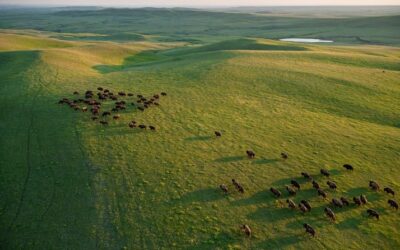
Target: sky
[(188, 3)]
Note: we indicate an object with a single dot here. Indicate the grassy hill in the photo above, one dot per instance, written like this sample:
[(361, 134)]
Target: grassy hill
[(68, 182)]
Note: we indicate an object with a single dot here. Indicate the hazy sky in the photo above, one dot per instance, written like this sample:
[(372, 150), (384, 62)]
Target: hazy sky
[(200, 2)]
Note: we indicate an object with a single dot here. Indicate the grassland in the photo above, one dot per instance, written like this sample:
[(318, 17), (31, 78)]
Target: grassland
[(68, 183)]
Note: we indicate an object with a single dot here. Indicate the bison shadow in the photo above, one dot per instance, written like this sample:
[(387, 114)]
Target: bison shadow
[(198, 138), (202, 195), (259, 197), (264, 161), (230, 158), (280, 242)]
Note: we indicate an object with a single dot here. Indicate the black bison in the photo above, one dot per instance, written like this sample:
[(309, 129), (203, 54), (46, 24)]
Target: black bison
[(363, 199), (322, 193), (393, 204), (348, 166), (306, 175), (163, 93), (246, 230), (116, 117), (373, 213), (306, 204), (374, 186), (331, 185), (357, 201), (295, 184), (276, 192), (217, 134), (152, 128), (142, 126), (290, 190), (309, 229), (388, 190), (104, 122), (344, 201), (330, 213), (315, 184), (250, 154), (223, 188), (337, 203), (106, 113), (291, 204), (284, 155), (303, 208), (324, 172)]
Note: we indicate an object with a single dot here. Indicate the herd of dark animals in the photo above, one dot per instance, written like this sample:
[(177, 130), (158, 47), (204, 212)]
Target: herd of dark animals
[(304, 206), (141, 103)]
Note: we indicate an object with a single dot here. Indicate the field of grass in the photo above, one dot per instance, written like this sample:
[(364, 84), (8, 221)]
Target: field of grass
[(66, 182)]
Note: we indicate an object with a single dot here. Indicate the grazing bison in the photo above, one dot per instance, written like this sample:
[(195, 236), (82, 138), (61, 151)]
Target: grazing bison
[(106, 113), (306, 204), (373, 213), (363, 199), (330, 213), (344, 201), (130, 94), (276, 192), (76, 93), (246, 229), (217, 134), (348, 166), (250, 154), (315, 185), (100, 89), (238, 186), (152, 128), (322, 193), (324, 172), (331, 185), (142, 126), (357, 201), (94, 118), (309, 229), (104, 122), (295, 184), (306, 175), (223, 188), (284, 155), (163, 93), (132, 125), (291, 204), (290, 190), (374, 186), (393, 204), (141, 108), (388, 190), (303, 208), (337, 203), (116, 117)]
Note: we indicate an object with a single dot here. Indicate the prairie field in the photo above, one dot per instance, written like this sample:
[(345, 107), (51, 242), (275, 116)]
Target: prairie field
[(68, 182)]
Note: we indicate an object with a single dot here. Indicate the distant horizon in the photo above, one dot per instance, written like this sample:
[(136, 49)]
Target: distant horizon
[(189, 6)]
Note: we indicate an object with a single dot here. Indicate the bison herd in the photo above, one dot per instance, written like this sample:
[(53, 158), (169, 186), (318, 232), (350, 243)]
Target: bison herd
[(304, 206), (95, 103)]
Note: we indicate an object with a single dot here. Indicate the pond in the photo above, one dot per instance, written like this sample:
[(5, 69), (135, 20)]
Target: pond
[(305, 40)]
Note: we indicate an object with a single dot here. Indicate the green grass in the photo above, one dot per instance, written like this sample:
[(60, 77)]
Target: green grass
[(68, 183)]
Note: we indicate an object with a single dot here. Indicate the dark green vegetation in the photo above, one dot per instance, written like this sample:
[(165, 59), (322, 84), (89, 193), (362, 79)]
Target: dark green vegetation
[(67, 182)]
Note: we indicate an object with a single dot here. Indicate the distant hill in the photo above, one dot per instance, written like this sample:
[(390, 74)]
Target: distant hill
[(179, 24)]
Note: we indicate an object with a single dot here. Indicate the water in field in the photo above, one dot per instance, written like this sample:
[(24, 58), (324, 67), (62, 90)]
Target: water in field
[(305, 40)]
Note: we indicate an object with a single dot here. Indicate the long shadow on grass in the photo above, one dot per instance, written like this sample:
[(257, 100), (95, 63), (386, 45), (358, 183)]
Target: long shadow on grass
[(280, 242), (198, 138), (202, 195), (230, 158), (264, 161), (259, 197), (219, 241)]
